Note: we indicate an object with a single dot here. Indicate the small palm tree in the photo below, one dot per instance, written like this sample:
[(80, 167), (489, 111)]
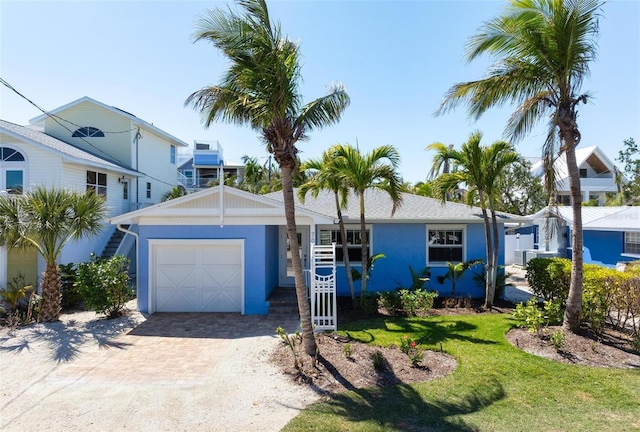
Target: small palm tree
[(261, 88), (542, 51), (47, 219), (175, 192), (325, 177), (375, 170), (479, 168)]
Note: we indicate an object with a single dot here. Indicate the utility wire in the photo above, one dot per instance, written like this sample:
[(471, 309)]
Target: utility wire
[(55, 118)]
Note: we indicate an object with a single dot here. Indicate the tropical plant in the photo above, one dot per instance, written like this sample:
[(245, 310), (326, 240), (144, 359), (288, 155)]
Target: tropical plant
[(175, 192), (629, 157), (260, 179), (375, 170), (519, 191), (542, 51), (478, 167), (454, 273), (16, 290), (47, 219), (325, 177), (261, 88)]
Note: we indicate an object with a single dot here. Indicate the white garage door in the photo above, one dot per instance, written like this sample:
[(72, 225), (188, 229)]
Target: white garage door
[(196, 276)]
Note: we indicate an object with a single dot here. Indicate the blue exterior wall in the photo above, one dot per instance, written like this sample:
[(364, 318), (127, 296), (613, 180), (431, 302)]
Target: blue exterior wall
[(256, 276), (605, 246), (271, 258), (404, 245)]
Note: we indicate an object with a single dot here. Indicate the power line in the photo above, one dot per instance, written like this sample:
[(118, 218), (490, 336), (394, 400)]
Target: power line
[(55, 118)]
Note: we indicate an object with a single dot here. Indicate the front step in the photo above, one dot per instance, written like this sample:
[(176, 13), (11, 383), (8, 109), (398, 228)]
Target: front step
[(283, 301), (113, 244)]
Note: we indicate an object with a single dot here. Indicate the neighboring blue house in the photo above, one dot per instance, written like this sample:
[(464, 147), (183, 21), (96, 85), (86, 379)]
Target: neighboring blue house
[(226, 250), (611, 234), (202, 169)]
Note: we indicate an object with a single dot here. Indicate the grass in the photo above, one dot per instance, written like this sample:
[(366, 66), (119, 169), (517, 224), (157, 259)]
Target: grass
[(496, 387)]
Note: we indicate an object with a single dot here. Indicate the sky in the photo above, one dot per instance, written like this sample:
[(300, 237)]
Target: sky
[(396, 59)]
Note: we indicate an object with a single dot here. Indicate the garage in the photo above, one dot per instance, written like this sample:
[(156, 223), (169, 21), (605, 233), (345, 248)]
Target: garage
[(196, 275)]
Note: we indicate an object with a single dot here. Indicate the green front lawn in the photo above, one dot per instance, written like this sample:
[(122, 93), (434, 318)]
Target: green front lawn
[(495, 388)]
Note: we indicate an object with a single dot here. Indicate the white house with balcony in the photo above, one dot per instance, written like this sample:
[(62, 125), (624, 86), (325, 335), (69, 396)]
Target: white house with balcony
[(597, 175), (206, 165)]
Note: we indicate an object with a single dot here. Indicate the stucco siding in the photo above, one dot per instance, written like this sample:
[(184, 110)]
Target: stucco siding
[(115, 146), (255, 274), (605, 246)]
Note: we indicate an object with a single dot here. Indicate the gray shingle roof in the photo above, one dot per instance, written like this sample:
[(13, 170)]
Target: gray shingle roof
[(378, 205), (51, 143)]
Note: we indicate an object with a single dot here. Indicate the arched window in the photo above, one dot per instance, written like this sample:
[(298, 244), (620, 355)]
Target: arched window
[(88, 132), (12, 170)]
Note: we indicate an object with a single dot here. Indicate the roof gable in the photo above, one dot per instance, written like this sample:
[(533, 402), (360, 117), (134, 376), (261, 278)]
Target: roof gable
[(136, 121)]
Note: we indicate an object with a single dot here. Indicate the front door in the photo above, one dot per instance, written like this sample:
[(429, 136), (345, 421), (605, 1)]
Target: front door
[(126, 206), (287, 278)]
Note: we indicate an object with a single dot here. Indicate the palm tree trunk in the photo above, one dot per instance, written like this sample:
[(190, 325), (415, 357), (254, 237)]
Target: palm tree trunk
[(488, 288), (345, 250), (304, 309), (494, 255), (51, 297), (574, 299), (365, 244)]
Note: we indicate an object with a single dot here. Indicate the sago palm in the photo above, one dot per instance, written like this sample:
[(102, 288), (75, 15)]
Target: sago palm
[(542, 51), (261, 88), (375, 170), (47, 219), (324, 177), (479, 168)]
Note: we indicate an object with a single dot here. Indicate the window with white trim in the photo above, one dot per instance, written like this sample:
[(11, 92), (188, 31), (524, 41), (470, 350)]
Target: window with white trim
[(88, 132), (445, 243), (632, 243), (12, 170), (172, 154), (354, 242), (97, 182)]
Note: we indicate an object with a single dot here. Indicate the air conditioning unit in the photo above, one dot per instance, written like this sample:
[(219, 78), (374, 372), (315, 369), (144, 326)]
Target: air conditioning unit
[(531, 254), (520, 257)]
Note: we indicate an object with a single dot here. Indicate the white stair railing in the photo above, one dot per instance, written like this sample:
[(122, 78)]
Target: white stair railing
[(324, 311)]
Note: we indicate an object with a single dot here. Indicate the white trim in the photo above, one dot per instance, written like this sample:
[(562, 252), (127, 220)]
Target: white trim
[(347, 227), (445, 227), (628, 255), (153, 243)]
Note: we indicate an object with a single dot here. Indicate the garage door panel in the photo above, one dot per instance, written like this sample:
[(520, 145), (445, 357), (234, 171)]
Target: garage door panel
[(198, 277)]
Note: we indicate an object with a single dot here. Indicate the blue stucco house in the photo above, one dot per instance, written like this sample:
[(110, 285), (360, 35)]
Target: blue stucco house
[(225, 250), (611, 234)]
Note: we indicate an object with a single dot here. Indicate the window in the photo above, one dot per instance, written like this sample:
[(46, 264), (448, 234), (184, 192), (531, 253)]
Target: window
[(172, 155), (97, 182), (446, 244), (125, 190), (583, 173), (354, 242), (88, 132), (13, 171), (148, 190), (632, 243)]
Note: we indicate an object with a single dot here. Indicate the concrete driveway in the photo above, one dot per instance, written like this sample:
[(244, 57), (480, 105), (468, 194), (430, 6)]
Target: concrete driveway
[(172, 372)]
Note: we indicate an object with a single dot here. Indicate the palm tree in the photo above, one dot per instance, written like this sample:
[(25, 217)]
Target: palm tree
[(375, 170), (261, 88), (479, 168), (543, 49), (325, 177), (47, 219), (175, 192)]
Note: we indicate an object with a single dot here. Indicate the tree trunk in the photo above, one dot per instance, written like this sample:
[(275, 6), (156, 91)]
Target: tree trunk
[(494, 255), (51, 297), (489, 288), (304, 309), (345, 250), (365, 245), (574, 299)]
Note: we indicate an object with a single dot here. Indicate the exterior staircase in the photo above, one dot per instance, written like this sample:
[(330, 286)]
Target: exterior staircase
[(283, 302), (112, 246)]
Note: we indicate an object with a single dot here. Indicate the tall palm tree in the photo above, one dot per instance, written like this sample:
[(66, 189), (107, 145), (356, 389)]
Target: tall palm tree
[(375, 170), (478, 168), (261, 88), (542, 51), (47, 219), (325, 177)]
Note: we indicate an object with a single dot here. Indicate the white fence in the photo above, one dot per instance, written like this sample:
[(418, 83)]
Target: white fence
[(324, 308), (515, 242)]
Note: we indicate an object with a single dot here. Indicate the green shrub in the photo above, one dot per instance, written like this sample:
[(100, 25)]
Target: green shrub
[(599, 286), (529, 315), (417, 302), (625, 304), (390, 301), (70, 295), (549, 278), (104, 284), (369, 303), (17, 289), (378, 360), (557, 339)]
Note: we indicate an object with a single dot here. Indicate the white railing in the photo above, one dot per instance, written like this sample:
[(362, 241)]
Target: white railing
[(324, 310)]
